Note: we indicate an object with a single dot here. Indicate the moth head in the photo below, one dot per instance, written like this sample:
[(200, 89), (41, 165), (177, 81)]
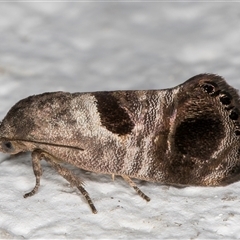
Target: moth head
[(15, 128), (36, 121), (11, 146), (207, 128)]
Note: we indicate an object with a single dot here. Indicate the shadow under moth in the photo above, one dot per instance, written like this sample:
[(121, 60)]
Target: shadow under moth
[(186, 135)]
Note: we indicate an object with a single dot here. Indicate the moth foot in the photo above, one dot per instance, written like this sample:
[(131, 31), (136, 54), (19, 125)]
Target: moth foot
[(87, 197), (141, 194), (29, 194)]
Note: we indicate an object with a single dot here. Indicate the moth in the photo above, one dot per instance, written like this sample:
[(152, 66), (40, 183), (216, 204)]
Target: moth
[(186, 135)]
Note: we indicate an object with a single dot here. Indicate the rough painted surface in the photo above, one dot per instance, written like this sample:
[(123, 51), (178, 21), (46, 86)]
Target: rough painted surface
[(51, 47)]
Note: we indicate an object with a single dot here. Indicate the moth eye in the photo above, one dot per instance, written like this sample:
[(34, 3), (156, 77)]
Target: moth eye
[(7, 146), (234, 115), (225, 99)]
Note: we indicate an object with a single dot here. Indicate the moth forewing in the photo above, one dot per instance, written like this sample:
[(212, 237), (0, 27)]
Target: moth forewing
[(187, 135)]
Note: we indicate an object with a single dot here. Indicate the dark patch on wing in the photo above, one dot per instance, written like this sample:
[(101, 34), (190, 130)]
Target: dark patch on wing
[(198, 130), (113, 116), (199, 137)]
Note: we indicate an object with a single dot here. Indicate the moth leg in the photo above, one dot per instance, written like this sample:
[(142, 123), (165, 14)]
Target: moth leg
[(132, 184), (87, 197), (74, 181), (69, 176), (37, 169)]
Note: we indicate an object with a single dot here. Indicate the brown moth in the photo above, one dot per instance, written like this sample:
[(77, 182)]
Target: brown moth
[(186, 135)]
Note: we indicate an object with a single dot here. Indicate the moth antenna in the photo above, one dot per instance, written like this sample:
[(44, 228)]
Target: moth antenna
[(47, 143)]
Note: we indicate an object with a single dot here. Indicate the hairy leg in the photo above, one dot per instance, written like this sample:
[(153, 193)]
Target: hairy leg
[(37, 156), (135, 187), (37, 169)]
